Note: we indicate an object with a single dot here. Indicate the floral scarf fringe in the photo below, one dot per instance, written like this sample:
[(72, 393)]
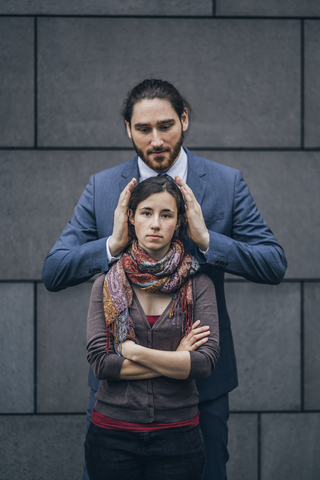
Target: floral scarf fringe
[(172, 274)]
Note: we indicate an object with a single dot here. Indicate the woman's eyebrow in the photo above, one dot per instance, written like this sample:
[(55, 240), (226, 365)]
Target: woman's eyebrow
[(163, 210)]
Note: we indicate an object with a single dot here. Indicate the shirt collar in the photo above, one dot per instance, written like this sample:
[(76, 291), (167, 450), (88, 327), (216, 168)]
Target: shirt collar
[(180, 167)]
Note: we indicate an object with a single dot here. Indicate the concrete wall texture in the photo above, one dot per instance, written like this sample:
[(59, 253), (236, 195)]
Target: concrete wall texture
[(251, 70)]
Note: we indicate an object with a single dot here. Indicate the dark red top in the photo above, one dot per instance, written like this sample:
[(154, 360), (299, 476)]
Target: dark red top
[(112, 424), (152, 319)]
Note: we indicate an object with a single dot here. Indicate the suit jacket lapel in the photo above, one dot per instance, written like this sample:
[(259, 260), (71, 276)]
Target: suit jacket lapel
[(129, 172), (196, 178)]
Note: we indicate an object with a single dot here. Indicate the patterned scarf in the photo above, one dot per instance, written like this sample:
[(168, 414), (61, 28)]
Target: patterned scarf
[(172, 274)]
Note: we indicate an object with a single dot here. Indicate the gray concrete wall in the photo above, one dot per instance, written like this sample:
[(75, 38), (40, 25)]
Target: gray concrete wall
[(251, 70)]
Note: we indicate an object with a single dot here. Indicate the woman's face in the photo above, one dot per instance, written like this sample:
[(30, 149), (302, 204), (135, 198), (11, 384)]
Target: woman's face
[(155, 221)]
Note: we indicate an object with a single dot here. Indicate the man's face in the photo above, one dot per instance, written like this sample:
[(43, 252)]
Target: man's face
[(157, 132)]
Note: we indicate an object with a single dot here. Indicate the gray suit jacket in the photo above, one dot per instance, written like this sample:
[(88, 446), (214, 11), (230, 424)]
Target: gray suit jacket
[(240, 243)]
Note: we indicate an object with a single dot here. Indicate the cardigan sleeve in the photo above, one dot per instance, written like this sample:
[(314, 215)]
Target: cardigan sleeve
[(106, 366), (203, 359)]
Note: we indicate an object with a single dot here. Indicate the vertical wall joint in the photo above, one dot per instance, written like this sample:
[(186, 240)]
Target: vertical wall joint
[(35, 82), (302, 345), (302, 80)]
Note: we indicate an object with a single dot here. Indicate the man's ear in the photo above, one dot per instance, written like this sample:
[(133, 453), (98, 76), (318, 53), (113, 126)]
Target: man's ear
[(185, 120), (131, 216), (128, 129)]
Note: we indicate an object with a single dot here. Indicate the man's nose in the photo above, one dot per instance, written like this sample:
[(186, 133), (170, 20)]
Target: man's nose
[(156, 140)]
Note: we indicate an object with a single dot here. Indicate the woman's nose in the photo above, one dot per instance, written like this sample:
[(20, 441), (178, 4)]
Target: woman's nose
[(155, 222)]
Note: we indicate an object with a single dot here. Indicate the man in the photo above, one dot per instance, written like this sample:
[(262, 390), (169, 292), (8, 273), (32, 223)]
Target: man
[(225, 232)]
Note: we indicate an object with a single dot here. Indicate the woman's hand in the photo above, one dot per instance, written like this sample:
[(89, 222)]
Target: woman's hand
[(197, 337), (127, 348), (120, 237)]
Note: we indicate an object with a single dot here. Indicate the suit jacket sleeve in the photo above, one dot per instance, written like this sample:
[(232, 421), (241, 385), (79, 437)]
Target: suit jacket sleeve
[(78, 254), (251, 250)]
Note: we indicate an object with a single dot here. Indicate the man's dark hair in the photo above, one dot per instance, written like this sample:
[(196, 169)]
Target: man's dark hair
[(150, 89), (158, 184)]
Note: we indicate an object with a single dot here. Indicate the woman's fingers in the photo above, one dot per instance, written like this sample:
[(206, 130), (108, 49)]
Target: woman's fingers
[(199, 336), (196, 335), (198, 330), (202, 334), (199, 343)]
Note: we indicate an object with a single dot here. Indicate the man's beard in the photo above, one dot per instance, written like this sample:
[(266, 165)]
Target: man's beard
[(160, 164)]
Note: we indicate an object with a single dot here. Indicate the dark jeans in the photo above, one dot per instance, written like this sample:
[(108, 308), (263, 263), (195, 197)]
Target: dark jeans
[(172, 454), (214, 415)]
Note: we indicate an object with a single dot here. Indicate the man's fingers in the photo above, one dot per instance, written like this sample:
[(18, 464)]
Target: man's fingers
[(125, 194), (131, 184), (188, 192), (128, 187), (179, 180), (181, 183)]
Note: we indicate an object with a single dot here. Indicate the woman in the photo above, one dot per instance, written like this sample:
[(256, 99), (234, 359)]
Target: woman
[(146, 345)]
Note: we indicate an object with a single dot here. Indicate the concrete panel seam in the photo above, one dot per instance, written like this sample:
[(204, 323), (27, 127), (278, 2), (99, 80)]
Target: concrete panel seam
[(220, 17), (165, 17), (259, 447), (196, 149), (302, 83), (193, 148), (35, 82), (302, 344), (35, 310)]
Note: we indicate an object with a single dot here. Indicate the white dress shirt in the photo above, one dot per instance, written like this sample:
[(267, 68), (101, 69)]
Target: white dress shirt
[(180, 167)]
